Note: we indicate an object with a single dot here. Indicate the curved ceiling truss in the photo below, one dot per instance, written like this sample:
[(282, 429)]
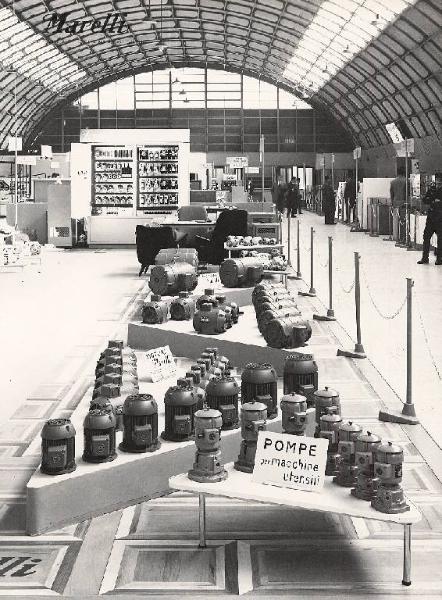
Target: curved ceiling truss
[(368, 62)]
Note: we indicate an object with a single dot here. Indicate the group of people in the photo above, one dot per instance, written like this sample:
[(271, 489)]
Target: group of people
[(287, 197)]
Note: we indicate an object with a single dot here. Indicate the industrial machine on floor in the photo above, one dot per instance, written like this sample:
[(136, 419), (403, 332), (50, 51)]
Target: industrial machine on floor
[(294, 413), (167, 256), (301, 375), (208, 467), (222, 394), (367, 482), (241, 272), (180, 404), (259, 382), (326, 401), (58, 447), (99, 430), (209, 319), (167, 280), (155, 310), (182, 308), (253, 420)]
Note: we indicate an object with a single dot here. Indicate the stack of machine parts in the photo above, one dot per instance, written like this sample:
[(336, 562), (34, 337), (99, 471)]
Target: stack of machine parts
[(214, 314), (327, 401), (167, 280), (278, 317), (116, 375), (259, 382), (241, 272), (170, 255), (301, 375), (208, 466)]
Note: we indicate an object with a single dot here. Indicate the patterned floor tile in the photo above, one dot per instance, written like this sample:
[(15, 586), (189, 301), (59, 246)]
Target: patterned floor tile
[(336, 369), (34, 409), (19, 431), (50, 391)]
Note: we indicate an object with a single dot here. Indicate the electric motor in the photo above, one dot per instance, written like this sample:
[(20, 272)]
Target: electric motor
[(171, 279), (99, 429), (208, 296), (101, 403), (208, 354), (209, 320), (253, 420), (58, 447), (182, 308), (208, 467), (201, 365), (259, 382), (237, 272), (155, 310), (284, 305), (119, 344), (388, 468), (266, 316), (288, 332), (273, 296), (222, 394), (140, 424), (329, 430), (191, 378), (347, 470), (294, 413), (174, 255), (301, 375), (366, 483), (326, 401), (180, 403), (232, 306)]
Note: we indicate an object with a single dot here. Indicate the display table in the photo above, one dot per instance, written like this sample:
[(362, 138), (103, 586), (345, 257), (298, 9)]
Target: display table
[(189, 224), (332, 498), (282, 274), (230, 249)]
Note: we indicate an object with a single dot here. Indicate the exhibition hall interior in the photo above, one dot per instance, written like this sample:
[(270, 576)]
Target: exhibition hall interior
[(220, 299)]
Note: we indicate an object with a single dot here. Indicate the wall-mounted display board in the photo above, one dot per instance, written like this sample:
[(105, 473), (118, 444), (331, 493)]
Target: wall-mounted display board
[(112, 177), (158, 183)]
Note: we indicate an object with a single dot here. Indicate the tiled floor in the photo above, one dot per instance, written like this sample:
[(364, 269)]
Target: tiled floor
[(81, 299)]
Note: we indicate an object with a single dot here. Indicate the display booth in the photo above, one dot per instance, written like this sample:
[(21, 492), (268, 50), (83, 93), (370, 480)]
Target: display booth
[(372, 187), (128, 177)]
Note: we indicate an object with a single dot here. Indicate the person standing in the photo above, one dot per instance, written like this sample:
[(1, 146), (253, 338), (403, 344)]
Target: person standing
[(433, 224), (292, 197), (398, 199), (350, 200), (298, 181), (328, 202), (250, 190)]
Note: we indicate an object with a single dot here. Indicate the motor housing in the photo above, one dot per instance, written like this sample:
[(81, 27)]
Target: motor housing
[(182, 308), (209, 320), (155, 310), (259, 382), (222, 394), (180, 404), (140, 424), (241, 272), (253, 420), (58, 447), (167, 280), (99, 429), (301, 375), (208, 466)]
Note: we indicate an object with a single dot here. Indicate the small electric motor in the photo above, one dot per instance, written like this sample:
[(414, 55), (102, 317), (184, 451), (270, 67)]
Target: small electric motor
[(99, 429), (222, 394), (347, 470), (253, 420), (260, 382), (58, 447), (287, 332), (173, 278), (140, 424), (326, 401), (193, 379), (208, 296), (180, 403), (208, 467), (294, 413), (155, 310), (367, 482), (233, 306), (264, 318), (238, 272), (182, 308), (209, 320), (301, 375), (330, 423), (388, 467)]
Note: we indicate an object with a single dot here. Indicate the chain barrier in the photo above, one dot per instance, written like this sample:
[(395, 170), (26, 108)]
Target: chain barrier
[(341, 285), (323, 264), (427, 342), (378, 310)]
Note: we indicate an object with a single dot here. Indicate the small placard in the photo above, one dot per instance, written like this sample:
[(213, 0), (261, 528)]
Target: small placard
[(46, 151), (160, 363), (15, 143), (290, 461), (27, 160), (357, 152)]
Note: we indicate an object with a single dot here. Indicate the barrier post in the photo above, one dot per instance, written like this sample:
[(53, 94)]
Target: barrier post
[(330, 312), (289, 262), (359, 351), (312, 291), (390, 226), (298, 253), (408, 413)]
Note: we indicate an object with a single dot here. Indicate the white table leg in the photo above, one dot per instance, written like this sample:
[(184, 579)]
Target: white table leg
[(202, 520), (406, 577)]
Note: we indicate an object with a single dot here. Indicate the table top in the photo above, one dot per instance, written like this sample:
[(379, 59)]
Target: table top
[(273, 272), (257, 247), (209, 224), (333, 498)]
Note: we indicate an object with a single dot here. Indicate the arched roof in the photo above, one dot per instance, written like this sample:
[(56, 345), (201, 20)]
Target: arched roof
[(368, 62)]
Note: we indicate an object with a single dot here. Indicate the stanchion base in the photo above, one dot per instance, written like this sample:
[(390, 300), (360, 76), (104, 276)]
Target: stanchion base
[(407, 583), (400, 245), (311, 293), (295, 276), (397, 417), (351, 354), (389, 239), (323, 318)]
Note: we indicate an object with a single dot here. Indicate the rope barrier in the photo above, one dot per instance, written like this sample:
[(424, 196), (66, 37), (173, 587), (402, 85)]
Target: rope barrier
[(378, 310)]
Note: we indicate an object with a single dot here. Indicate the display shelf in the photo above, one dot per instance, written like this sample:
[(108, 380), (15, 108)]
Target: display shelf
[(112, 177), (156, 188)]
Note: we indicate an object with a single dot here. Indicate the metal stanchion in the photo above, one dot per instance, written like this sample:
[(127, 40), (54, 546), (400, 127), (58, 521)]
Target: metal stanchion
[(289, 262), (400, 242), (330, 312), (374, 222), (408, 414), (298, 254), (359, 351), (312, 291), (390, 226)]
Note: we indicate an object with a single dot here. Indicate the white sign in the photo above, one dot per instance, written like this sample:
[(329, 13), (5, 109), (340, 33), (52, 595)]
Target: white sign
[(160, 363), (229, 177), (253, 170), (290, 461), (27, 160), (13, 142), (237, 162), (357, 152), (46, 151)]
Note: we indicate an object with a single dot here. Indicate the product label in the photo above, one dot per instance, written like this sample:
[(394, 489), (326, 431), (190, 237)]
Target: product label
[(160, 363)]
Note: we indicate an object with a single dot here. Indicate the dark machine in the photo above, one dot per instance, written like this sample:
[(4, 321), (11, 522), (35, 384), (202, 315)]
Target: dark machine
[(287, 332), (182, 308), (208, 467), (326, 401), (330, 423), (208, 296), (209, 319), (167, 280), (180, 403), (367, 482), (294, 413), (58, 447), (194, 379), (253, 420), (264, 318), (301, 375), (348, 433), (259, 382), (241, 272), (222, 394), (140, 424), (99, 430), (388, 468), (234, 308), (155, 310)]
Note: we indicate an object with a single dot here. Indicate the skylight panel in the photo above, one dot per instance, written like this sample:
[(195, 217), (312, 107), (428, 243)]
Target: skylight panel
[(339, 30), (28, 53)]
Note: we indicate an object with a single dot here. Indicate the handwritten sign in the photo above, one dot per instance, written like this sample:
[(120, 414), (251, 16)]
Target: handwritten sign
[(160, 363), (291, 461)]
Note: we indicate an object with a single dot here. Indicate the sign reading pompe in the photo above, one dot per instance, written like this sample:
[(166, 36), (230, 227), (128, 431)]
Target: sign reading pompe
[(290, 461)]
